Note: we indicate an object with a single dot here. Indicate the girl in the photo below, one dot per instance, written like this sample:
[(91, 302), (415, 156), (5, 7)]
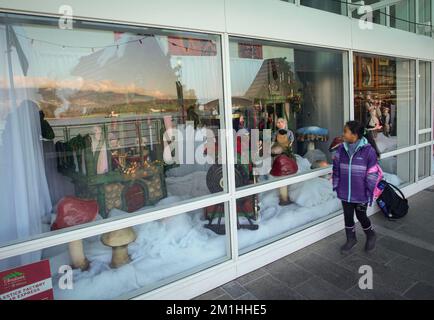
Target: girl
[(355, 176)]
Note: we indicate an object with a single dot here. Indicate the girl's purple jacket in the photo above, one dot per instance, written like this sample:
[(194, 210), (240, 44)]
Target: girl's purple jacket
[(355, 177)]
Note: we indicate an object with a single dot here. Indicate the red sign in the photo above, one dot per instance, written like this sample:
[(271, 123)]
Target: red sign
[(30, 282), (179, 46), (250, 51)]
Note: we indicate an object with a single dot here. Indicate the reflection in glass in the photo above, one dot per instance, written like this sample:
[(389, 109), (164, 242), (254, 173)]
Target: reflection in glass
[(403, 15), (425, 107), (384, 99), (295, 96), (128, 262), (399, 170), (114, 114), (425, 158), (311, 202)]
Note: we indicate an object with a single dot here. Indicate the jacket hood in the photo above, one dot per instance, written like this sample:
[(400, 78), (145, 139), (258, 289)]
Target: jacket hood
[(362, 143)]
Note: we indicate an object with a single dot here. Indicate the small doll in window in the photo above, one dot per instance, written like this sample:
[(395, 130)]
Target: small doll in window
[(282, 124), (386, 121), (374, 122)]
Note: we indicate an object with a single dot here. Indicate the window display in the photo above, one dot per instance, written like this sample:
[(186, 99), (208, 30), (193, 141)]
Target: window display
[(127, 262), (102, 117), (310, 202), (287, 101), (385, 99)]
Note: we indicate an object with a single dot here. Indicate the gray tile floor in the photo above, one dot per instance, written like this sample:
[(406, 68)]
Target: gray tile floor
[(403, 264)]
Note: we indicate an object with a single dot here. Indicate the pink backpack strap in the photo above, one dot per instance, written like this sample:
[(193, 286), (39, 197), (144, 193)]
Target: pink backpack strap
[(377, 169)]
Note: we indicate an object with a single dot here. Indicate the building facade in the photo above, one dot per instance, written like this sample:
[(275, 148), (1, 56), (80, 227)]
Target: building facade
[(123, 130)]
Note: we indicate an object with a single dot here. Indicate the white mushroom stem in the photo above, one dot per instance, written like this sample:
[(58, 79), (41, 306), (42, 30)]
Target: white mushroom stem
[(311, 146), (76, 252), (283, 193), (120, 256)]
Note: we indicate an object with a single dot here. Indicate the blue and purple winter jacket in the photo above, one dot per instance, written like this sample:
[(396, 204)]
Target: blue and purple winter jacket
[(355, 177)]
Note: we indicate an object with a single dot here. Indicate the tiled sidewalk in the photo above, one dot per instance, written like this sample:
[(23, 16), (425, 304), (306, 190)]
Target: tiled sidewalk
[(403, 264)]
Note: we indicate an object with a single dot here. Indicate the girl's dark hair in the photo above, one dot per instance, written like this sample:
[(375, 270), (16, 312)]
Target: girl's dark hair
[(359, 129)]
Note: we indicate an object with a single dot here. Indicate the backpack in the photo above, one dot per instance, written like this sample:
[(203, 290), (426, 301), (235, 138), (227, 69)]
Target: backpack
[(392, 205)]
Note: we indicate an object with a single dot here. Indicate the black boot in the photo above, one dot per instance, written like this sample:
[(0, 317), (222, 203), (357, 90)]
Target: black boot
[(351, 240), (371, 237)]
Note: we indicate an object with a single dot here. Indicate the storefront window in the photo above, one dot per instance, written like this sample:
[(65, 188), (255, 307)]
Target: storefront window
[(432, 161), (288, 105), (262, 218), (103, 117), (339, 7), (403, 15), (424, 162), (399, 170), (384, 99), (425, 17), (425, 95), (128, 262)]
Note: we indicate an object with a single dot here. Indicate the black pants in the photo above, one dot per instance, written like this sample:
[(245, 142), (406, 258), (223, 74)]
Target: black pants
[(360, 209)]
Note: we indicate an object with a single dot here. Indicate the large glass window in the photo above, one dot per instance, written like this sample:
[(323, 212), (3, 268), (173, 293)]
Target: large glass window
[(128, 262), (288, 103), (425, 158), (104, 118), (425, 107), (403, 15), (424, 25), (400, 169), (263, 219), (384, 99), (334, 6)]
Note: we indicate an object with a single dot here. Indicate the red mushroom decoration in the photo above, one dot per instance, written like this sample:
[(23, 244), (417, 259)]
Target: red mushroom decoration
[(284, 166), (72, 211)]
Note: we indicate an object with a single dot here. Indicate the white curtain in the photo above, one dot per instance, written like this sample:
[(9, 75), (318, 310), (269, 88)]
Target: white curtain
[(24, 195)]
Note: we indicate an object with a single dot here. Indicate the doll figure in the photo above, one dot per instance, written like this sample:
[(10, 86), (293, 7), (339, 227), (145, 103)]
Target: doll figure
[(386, 122), (282, 124), (374, 123)]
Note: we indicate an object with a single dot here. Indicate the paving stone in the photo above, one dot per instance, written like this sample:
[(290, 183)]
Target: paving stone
[(327, 270), (268, 288), (332, 250), (421, 291), (224, 297), (381, 254), (288, 272), (413, 269), (319, 289), (211, 295), (417, 231), (247, 296), (378, 292), (234, 289), (409, 250), (380, 220), (382, 274), (254, 275)]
